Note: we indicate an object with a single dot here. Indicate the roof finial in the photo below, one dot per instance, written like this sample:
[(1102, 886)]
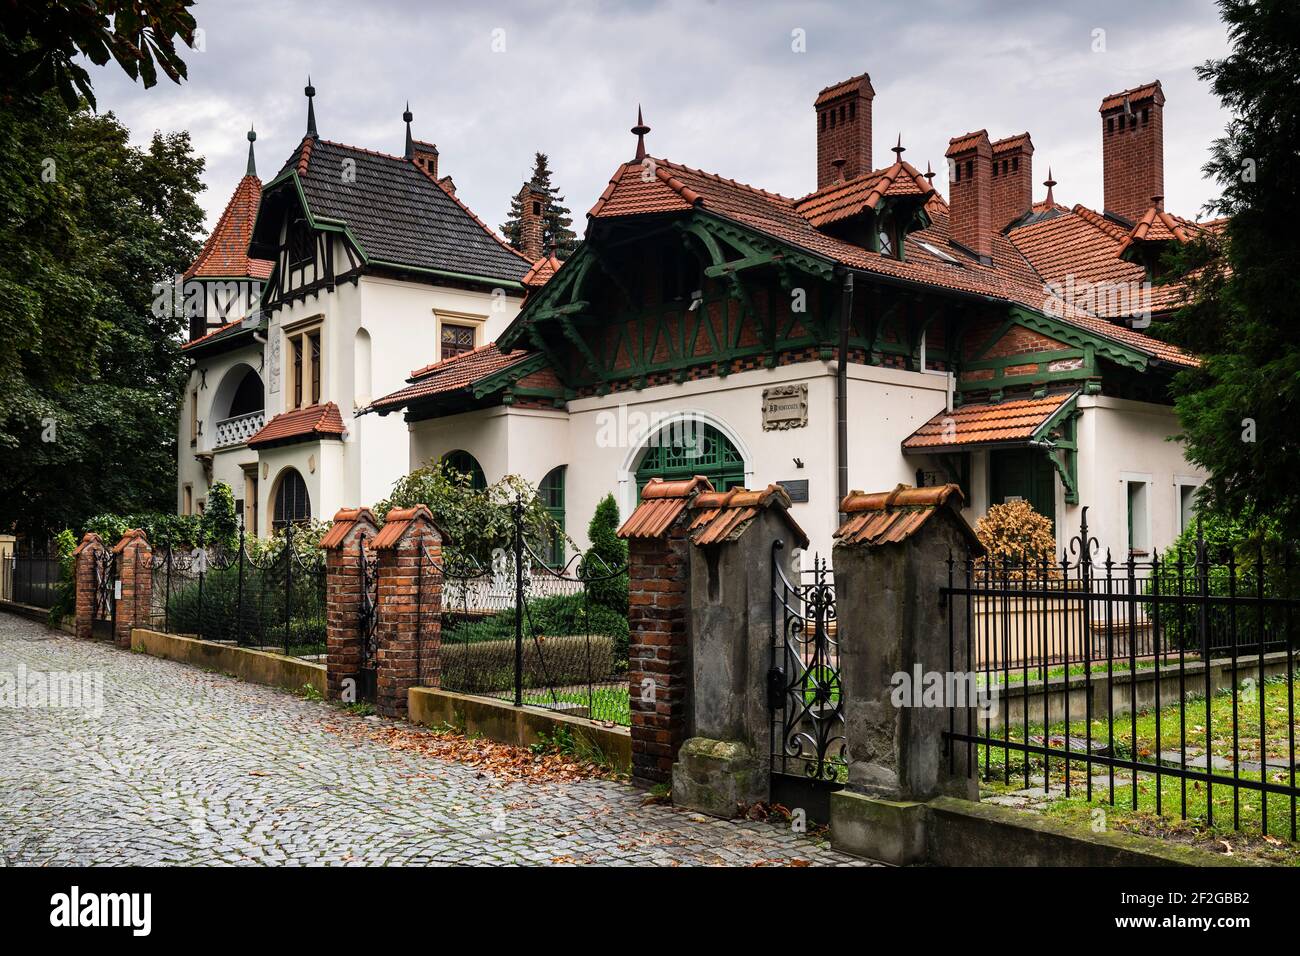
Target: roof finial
[(640, 129), (406, 118), (898, 150), (1049, 182), (1158, 202), (929, 174), (839, 163), (310, 91), (252, 164)]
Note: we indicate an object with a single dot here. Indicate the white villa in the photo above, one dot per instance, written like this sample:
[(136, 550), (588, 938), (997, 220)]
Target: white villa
[(868, 334)]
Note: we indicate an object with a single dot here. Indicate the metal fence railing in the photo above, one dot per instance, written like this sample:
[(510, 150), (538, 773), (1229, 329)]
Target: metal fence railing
[(268, 595), (1166, 685), (532, 634), (31, 576)]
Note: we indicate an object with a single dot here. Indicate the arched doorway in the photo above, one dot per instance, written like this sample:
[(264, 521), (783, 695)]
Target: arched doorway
[(689, 448), (292, 504)]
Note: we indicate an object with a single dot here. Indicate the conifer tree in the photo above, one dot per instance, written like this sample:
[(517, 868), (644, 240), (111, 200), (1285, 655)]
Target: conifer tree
[(557, 227)]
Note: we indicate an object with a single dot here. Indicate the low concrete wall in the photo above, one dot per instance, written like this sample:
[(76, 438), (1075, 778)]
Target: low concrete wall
[(1124, 687), (947, 831), (508, 724), (258, 667)]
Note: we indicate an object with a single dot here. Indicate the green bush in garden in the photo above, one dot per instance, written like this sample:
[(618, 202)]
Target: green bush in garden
[(611, 550)]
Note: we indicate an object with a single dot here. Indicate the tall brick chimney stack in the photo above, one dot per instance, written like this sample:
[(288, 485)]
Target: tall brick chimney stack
[(425, 155), (970, 193), (531, 221), (844, 129), (1133, 149), (1013, 180)]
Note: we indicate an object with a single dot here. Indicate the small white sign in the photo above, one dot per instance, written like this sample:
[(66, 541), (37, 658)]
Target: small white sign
[(117, 590)]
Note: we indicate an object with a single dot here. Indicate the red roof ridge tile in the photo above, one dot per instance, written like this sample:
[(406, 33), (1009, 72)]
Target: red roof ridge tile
[(723, 179), (724, 515), (304, 155), (1137, 94), (1094, 218), (662, 503), (836, 89), (1007, 142), (889, 517), (963, 142)]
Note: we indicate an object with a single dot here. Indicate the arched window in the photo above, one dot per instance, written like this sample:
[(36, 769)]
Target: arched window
[(551, 491), (292, 503), (466, 464), (686, 448), (249, 396)]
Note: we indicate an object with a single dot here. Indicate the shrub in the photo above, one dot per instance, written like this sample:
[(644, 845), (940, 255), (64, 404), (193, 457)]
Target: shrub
[(65, 600), (488, 666), (1017, 538), (218, 524), (611, 550)]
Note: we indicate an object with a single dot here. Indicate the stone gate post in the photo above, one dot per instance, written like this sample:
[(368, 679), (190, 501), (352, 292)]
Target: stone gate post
[(135, 570), (85, 556), (342, 547), (658, 651), (725, 763), (409, 630), (891, 563)]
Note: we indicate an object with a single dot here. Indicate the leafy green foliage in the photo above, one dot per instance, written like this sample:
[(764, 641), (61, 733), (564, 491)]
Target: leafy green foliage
[(40, 43), (90, 376), (608, 553), (473, 521), (1240, 410), (65, 601), (558, 616), (218, 523), (557, 225)]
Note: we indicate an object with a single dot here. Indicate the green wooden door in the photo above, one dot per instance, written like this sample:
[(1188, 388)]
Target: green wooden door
[(1023, 473), (683, 453)]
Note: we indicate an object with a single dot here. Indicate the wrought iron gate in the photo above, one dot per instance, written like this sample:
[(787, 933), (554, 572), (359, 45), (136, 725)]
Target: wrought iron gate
[(368, 578), (103, 610), (808, 755)]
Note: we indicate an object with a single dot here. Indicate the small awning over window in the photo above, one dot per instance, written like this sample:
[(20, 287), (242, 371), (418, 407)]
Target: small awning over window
[(1014, 422)]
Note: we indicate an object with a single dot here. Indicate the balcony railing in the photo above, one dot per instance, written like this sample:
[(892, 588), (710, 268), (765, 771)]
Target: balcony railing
[(239, 429)]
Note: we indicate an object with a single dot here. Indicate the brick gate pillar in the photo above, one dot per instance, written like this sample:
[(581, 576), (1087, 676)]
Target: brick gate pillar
[(342, 547), (134, 558), (725, 764), (85, 556), (658, 651), (409, 549)]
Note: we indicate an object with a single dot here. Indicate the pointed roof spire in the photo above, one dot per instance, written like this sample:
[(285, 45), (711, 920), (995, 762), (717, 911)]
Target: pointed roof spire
[(251, 170), (310, 91), (410, 144), (639, 130), (898, 150), (1049, 182), (929, 173)]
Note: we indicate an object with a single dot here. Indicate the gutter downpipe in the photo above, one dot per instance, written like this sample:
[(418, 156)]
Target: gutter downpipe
[(842, 391)]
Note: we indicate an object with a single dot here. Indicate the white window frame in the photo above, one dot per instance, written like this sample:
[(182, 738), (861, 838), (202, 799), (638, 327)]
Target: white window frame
[(477, 322)]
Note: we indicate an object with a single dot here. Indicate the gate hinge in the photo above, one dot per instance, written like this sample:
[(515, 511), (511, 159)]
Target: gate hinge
[(775, 689)]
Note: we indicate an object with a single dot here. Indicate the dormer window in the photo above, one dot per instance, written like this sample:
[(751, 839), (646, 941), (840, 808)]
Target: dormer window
[(887, 236)]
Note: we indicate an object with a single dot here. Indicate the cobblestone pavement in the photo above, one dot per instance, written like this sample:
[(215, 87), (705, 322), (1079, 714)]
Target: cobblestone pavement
[(189, 767)]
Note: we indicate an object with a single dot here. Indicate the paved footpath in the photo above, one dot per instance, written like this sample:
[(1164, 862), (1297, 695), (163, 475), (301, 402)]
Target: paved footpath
[(189, 767)]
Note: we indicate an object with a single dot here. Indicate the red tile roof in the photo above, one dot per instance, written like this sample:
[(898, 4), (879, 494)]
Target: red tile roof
[(1012, 142), (1136, 95), (301, 424), (450, 374), (1156, 225), (541, 272), (228, 327), (225, 254), (719, 516), (662, 503), (1011, 421), (889, 517), (966, 142), (345, 519), (396, 522), (844, 86), (843, 200), (1088, 243)]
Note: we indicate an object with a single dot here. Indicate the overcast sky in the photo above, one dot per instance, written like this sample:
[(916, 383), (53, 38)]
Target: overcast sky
[(720, 84)]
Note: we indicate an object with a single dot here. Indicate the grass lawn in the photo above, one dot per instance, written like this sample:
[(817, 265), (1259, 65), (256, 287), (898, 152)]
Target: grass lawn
[(606, 703), (1207, 726)]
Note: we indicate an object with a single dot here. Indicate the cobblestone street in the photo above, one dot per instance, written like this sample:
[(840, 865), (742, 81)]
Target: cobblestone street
[(189, 767)]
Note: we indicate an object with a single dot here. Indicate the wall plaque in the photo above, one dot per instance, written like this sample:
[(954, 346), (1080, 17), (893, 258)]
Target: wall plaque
[(796, 489), (785, 406)]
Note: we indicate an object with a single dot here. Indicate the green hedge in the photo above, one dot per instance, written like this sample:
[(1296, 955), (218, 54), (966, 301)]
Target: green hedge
[(489, 666), (568, 614)]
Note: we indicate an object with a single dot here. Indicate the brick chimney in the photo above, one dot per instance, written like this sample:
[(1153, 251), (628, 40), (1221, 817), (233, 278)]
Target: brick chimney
[(533, 202), (1013, 180), (1133, 149), (844, 129), (970, 193), (426, 157)]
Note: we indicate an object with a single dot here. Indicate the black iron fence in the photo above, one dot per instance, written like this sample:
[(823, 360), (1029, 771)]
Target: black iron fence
[(1161, 685), (535, 635), (260, 594), (31, 575)]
